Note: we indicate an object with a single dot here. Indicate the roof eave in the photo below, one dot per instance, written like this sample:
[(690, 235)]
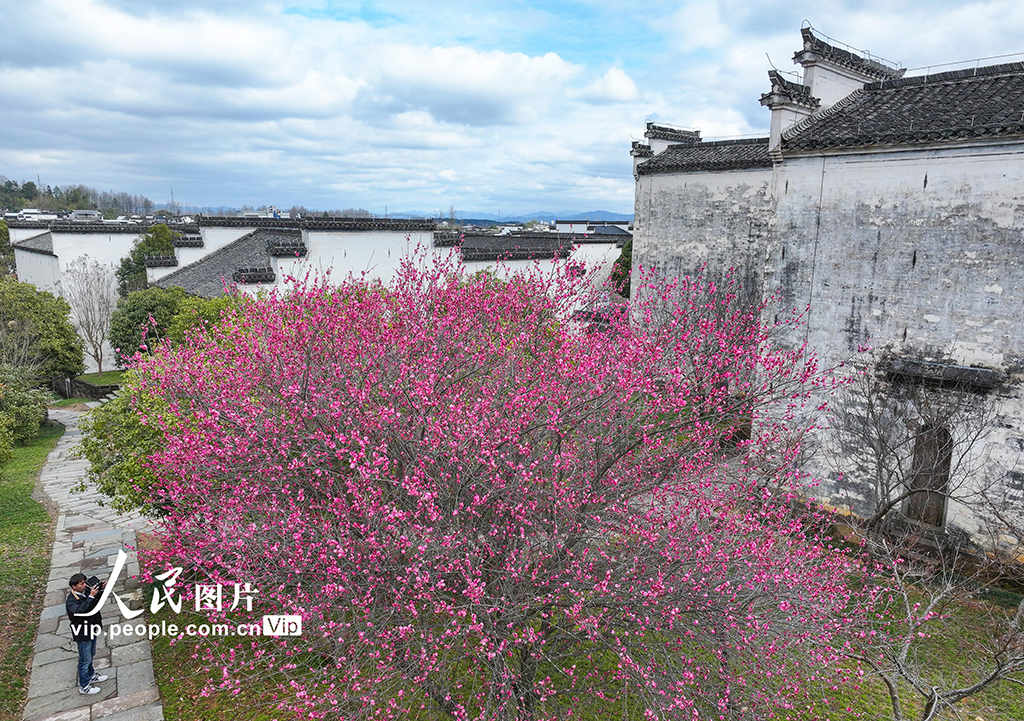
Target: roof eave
[(37, 251), (878, 147)]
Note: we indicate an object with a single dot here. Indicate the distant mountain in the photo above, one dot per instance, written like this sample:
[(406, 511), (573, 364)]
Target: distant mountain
[(543, 215), (605, 215)]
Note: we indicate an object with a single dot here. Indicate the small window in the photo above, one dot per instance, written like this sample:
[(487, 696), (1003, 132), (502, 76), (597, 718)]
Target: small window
[(933, 451)]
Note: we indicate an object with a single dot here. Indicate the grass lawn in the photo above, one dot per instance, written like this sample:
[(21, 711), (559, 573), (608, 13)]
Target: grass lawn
[(25, 540), (107, 378), (181, 673), (181, 676)]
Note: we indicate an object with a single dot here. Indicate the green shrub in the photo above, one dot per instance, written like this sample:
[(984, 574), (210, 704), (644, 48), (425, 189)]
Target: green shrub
[(201, 313), (131, 273), (7, 266), (151, 309), (620, 277), (117, 443), (36, 330), (22, 406), (6, 438)]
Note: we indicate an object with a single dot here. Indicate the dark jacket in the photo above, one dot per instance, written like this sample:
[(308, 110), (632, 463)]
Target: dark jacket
[(82, 626)]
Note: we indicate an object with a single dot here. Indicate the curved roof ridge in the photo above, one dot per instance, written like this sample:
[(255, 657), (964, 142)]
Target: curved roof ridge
[(721, 143), (870, 65), (736, 154), (947, 76), (38, 243), (810, 120), (982, 105), (220, 251)]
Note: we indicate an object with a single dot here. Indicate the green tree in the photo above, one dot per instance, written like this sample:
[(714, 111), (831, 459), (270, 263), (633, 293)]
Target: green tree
[(201, 313), (621, 270), (29, 190), (22, 406), (36, 331), (117, 443), (131, 274), (7, 266), (141, 320)]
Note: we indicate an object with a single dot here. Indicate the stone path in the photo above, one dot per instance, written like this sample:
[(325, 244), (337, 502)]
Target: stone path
[(87, 540)]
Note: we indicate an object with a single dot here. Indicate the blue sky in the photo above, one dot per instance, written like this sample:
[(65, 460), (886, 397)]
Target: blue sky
[(510, 106)]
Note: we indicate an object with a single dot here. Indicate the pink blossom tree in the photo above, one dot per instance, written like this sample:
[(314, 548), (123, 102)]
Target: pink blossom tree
[(482, 511)]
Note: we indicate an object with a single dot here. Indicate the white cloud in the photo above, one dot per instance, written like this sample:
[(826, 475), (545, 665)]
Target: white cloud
[(411, 105), (613, 87), (698, 25), (467, 86)]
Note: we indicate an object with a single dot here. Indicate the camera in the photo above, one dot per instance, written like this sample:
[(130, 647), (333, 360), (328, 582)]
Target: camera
[(95, 582)]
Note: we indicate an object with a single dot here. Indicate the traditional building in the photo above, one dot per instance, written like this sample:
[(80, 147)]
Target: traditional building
[(891, 207), (213, 254)]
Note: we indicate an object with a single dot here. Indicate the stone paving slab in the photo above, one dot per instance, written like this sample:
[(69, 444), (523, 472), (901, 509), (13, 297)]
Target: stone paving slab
[(54, 654), (79, 714), (130, 653), (87, 539), (53, 677), (124, 704), (150, 712)]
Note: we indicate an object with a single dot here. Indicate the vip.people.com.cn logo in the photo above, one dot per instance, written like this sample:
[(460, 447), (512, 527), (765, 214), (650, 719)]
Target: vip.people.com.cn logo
[(208, 597)]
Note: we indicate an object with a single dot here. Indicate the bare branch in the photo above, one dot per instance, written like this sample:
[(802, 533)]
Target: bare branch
[(91, 290)]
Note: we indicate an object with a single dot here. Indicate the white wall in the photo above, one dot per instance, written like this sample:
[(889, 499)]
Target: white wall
[(920, 248), (45, 271), (831, 83), (105, 248), (598, 257), (214, 238), (717, 221), (377, 253), (572, 226), (42, 271), (19, 234), (918, 253)]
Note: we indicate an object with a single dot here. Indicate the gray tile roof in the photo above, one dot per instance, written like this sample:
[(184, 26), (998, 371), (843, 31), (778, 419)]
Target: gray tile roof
[(447, 238), (598, 236), (187, 240), (208, 275), (320, 224), (42, 243), (718, 155), (941, 374), (15, 223), (284, 243), (522, 246), (63, 226), (250, 276), (815, 47), (161, 261), (667, 132), (640, 150), (976, 103)]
